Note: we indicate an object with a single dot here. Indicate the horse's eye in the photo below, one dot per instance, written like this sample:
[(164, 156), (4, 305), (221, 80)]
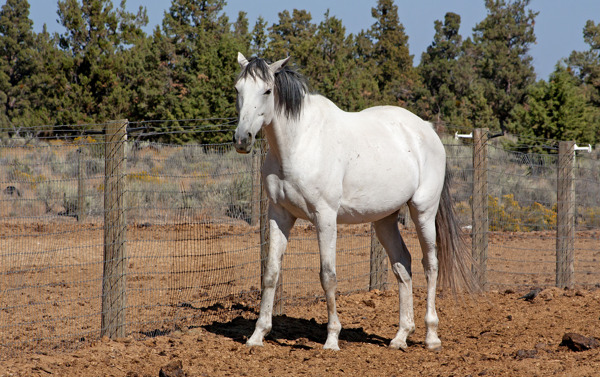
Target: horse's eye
[(268, 92)]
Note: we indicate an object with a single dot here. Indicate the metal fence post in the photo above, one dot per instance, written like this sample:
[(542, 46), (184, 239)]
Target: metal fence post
[(80, 185), (480, 206), (115, 226), (378, 265), (565, 219)]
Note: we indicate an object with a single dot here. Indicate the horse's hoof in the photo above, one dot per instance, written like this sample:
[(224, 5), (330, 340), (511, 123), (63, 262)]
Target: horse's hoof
[(331, 346), (399, 345), (434, 346), (254, 343)]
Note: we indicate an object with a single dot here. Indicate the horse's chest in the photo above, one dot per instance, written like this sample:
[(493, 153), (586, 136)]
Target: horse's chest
[(288, 194), (298, 192)]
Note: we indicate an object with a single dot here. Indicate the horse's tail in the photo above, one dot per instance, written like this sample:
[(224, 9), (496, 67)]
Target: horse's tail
[(454, 255)]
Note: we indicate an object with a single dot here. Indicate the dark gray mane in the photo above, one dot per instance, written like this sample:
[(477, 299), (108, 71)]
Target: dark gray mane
[(289, 89)]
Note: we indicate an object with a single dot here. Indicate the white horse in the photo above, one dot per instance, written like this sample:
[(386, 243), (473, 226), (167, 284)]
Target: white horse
[(329, 166)]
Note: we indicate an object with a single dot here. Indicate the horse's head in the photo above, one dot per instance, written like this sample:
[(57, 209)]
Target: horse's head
[(255, 99)]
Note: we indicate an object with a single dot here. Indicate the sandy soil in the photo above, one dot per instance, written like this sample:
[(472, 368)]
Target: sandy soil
[(493, 335), (193, 298)]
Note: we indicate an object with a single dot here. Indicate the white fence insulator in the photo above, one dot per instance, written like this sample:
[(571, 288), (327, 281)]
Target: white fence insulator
[(588, 148), (464, 136)]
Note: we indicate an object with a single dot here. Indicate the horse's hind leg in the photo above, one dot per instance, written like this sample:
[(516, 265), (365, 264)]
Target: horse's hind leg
[(423, 215), (400, 260), (280, 224)]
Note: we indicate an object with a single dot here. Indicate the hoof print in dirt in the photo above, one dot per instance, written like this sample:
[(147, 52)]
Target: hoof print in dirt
[(173, 369), (577, 342)]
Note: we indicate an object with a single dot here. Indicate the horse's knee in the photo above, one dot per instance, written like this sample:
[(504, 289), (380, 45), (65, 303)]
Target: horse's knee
[(430, 263), (270, 279), (403, 274), (334, 327), (431, 319), (328, 277)]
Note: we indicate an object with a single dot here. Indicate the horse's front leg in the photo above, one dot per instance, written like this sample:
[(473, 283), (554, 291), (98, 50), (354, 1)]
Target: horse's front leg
[(327, 234), (280, 224)]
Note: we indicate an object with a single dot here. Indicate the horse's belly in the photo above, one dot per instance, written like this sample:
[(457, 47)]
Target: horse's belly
[(369, 207), (371, 193)]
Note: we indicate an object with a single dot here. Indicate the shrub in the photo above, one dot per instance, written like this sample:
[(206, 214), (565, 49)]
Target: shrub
[(506, 214)]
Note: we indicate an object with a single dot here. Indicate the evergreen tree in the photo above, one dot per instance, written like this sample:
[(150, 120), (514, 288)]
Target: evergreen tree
[(333, 71), (104, 67), (97, 40), (361, 54), (501, 45), (585, 65), (396, 76), (259, 40), (557, 110), (240, 30), (438, 70), (17, 64), (455, 93), (293, 36), (48, 85), (203, 64), (149, 76)]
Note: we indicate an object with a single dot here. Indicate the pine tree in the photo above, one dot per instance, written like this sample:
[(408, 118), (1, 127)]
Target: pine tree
[(395, 74), (453, 94), (293, 36), (368, 86), (148, 74), (17, 65), (438, 70), (240, 30), (558, 110), (500, 46), (333, 71), (97, 40), (259, 40), (48, 86), (585, 65), (202, 62)]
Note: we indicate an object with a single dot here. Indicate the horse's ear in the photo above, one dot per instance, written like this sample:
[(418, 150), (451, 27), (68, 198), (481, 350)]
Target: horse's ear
[(278, 65), (242, 61)]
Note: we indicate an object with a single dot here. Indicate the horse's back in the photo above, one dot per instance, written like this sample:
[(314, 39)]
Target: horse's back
[(405, 134), (392, 154), (402, 120)]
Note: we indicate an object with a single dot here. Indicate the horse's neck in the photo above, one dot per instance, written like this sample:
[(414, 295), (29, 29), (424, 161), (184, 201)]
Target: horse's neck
[(281, 138), (285, 135)]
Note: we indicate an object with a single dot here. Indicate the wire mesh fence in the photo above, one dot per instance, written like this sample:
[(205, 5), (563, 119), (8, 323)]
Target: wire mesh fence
[(191, 237)]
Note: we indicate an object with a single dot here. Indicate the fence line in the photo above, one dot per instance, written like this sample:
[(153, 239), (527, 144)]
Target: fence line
[(193, 247)]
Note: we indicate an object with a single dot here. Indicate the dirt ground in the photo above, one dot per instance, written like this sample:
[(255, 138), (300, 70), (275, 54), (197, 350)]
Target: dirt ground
[(53, 294), (497, 334)]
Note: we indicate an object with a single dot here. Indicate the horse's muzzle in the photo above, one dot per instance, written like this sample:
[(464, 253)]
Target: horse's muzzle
[(243, 144)]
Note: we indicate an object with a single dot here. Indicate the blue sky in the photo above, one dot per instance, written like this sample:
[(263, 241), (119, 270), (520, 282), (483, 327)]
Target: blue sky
[(559, 24)]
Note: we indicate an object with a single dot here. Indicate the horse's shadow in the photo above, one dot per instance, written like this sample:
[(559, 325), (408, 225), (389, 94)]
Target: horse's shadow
[(286, 329)]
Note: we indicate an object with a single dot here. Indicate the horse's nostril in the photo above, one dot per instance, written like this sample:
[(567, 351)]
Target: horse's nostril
[(250, 135)]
